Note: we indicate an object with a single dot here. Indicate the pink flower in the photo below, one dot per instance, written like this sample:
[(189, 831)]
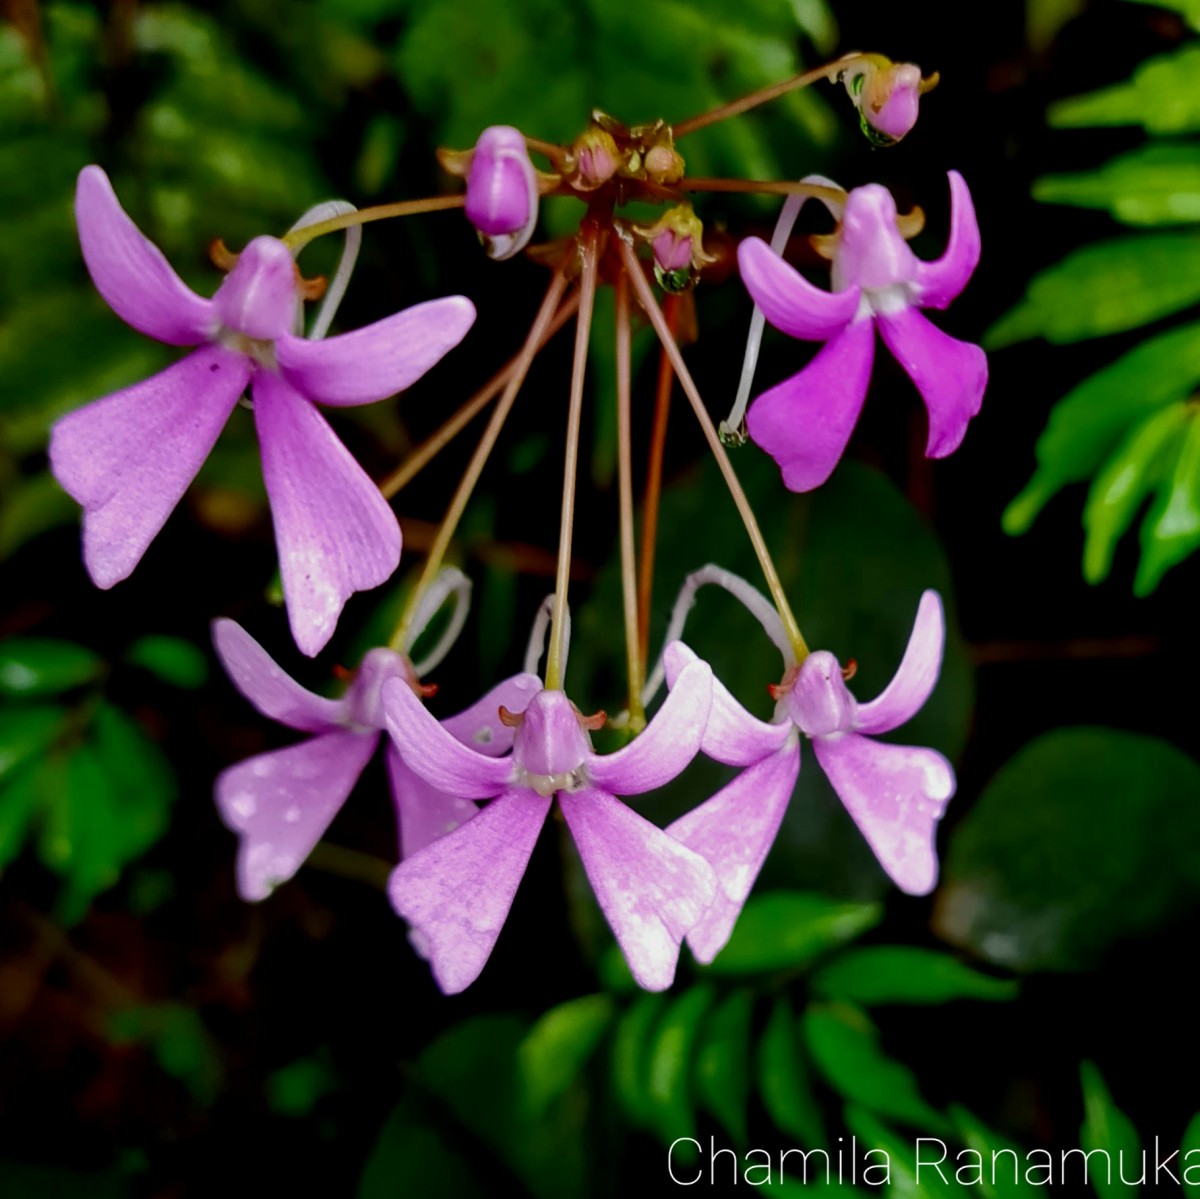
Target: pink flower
[(502, 191), (457, 892), (129, 457), (894, 793), (805, 422)]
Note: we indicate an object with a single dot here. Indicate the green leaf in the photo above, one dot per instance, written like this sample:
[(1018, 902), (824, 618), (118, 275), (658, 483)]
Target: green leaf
[(1088, 424), (784, 1082), (1085, 837), (295, 1089), (172, 659), (905, 974), (19, 799), (1108, 1129), (791, 929), (671, 1052), (1160, 96), (1004, 1175), (845, 1046), (1189, 10), (722, 1076), (1153, 185), (631, 1059), (557, 1048), (1190, 1143), (1103, 289), (1128, 477), (1172, 528), (27, 732), (36, 666), (908, 1179), (182, 1045)]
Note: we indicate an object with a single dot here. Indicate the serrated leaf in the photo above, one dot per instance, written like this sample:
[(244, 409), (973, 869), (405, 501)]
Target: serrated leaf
[(671, 1053), (1160, 96), (791, 929), (1003, 1176), (783, 1079), (1103, 289), (631, 1058), (1037, 873), (845, 1046), (172, 659), (1108, 1129), (908, 1179), (884, 974), (557, 1047), (722, 1075), (1088, 423), (1171, 530), (39, 666), (1128, 477)]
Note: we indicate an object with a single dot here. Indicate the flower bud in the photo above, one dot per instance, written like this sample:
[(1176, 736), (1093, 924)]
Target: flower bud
[(596, 159), (886, 95), (502, 190), (677, 241)]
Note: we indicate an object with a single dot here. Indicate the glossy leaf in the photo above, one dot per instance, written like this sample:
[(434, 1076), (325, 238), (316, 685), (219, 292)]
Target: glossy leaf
[(558, 1047), (783, 930), (37, 666), (631, 1058), (1107, 1128), (909, 1180), (1004, 1175), (1172, 528), (672, 1050), (722, 1073), (172, 659), (1190, 1144), (26, 732), (883, 974), (845, 1046), (784, 1081), (1037, 874)]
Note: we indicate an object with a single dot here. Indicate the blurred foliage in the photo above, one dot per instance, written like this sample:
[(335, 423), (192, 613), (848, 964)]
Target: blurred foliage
[(1132, 428)]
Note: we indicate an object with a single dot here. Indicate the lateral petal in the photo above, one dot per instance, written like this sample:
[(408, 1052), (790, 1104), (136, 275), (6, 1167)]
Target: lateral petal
[(652, 889), (950, 375), (917, 675), (334, 531), (130, 272), (276, 695), (731, 735), (805, 422), (423, 813), (435, 754), (940, 281), (375, 362), (896, 794), (733, 832), (129, 457), (788, 300), (666, 745), (281, 803), (457, 892), (480, 726)]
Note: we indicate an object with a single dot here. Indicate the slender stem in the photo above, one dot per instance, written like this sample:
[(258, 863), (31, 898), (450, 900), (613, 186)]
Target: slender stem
[(764, 187), (550, 150), (587, 298), (646, 299), (636, 666), (298, 238), (658, 441), (437, 441), (829, 71), (458, 503)]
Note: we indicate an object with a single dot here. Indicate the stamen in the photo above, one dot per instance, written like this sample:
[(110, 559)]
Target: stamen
[(223, 258), (850, 670), (510, 720), (596, 720)]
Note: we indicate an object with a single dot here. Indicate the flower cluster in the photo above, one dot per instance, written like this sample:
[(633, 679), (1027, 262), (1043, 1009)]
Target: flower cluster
[(472, 791)]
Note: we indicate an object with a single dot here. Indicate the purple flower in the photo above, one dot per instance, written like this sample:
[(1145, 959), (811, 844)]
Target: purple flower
[(805, 422), (894, 793), (457, 892), (129, 457), (502, 191), (887, 96), (280, 803)]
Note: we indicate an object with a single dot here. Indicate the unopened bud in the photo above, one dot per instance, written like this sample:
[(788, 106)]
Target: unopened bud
[(596, 159), (886, 95), (502, 189), (677, 241)]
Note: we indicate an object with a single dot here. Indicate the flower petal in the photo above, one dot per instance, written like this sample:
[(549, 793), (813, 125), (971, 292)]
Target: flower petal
[(731, 734), (788, 300), (805, 422), (457, 892), (441, 760), (376, 362), (651, 889), (334, 532), (423, 813), (129, 457), (912, 683), (130, 272), (281, 802), (666, 745), (734, 831), (896, 794), (480, 726), (940, 281), (254, 673), (950, 375)]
